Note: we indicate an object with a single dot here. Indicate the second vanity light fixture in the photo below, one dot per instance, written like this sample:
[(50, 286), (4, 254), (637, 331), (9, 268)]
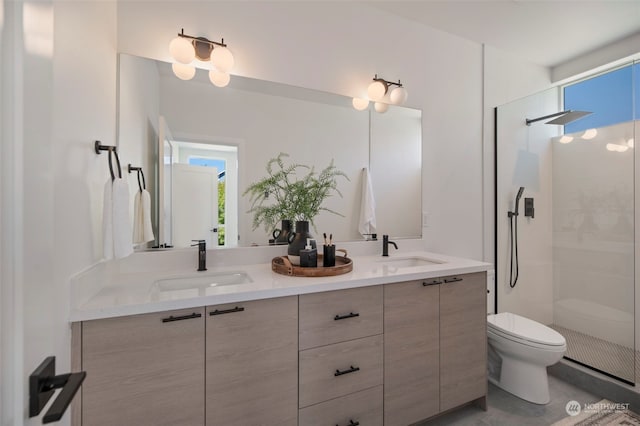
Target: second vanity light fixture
[(185, 49), (377, 91)]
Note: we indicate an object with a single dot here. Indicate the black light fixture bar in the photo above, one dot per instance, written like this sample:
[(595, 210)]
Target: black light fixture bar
[(201, 39), (387, 82)]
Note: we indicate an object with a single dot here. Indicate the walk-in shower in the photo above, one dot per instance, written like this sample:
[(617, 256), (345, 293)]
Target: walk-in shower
[(575, 262)]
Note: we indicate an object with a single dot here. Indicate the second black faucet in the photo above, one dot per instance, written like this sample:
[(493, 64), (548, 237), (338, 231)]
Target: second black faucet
[(202, 254), (385, 245)]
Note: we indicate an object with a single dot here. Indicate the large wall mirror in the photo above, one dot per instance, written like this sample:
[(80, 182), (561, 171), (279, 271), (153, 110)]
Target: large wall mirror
[(201, 146)]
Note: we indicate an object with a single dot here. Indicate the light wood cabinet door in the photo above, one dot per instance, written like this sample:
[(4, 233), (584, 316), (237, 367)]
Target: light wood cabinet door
[(252, 363), (411, 351), (362, 408), (463, 339), (144, 369), (339, 316)]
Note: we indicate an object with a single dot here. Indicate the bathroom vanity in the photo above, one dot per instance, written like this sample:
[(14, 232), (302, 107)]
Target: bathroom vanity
[(395, 341)]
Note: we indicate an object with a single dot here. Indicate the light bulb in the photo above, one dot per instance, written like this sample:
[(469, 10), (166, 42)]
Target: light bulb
[(360, 104), (376, 90), (590, 134), (219, 78), (381, 107), (398, 96), (222, 59), (182, 50), (182, 71), (565, 139)]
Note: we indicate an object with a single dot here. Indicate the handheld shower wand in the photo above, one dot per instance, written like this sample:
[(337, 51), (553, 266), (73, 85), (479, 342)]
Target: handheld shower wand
[(513, 233)]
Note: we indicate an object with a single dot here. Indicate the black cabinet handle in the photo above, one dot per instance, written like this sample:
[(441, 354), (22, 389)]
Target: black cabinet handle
[(181, 317), (349, 315), (452, 280), (351, 369), (227, 311), (351, 423), (428, 283)]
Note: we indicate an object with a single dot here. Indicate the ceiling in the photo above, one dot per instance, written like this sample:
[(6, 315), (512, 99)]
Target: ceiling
[(547, 33)]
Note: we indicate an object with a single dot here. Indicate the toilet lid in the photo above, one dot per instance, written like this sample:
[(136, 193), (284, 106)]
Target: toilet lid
[(524, 329)]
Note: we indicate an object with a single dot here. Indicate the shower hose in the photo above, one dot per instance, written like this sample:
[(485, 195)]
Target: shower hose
[(513, 238)]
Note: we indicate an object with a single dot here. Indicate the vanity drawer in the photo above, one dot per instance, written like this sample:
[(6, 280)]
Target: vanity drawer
[(341, 315), (364, 408), (336, 370)]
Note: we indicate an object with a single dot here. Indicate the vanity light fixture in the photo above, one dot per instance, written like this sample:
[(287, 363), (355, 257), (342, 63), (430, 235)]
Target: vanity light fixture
[(360, 103), (381, 107), (379, 88), (185, 49)]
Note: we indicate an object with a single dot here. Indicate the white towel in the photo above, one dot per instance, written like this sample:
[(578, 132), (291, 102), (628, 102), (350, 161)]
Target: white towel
[(367, 223), (142, 229), (116, 224)]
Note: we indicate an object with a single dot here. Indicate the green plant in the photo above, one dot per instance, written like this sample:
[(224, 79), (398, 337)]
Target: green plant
[(286, 194)]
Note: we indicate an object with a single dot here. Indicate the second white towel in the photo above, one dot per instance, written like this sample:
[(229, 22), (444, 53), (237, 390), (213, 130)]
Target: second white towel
[(367, 223), (142, 228)]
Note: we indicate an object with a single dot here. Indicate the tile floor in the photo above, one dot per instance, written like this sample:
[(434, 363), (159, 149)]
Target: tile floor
[(505, 409)]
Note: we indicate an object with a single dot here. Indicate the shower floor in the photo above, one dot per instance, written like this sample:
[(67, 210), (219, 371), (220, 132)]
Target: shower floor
[(609, 357)]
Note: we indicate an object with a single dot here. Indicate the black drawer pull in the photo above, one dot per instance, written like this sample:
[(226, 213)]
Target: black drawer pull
[(349, 315), (351, 369), (226, 311), (181, 317), (434, 282), (351, 423), (452, 280)]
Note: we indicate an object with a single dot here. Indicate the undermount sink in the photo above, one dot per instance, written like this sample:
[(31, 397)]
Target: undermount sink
[(409, 261), (202, 282)]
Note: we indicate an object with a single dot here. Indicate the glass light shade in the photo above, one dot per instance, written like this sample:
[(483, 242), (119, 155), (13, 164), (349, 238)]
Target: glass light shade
[(360, 104), (219, 78), (590, 134), (565, 139), (381, 107), (182, 50), (182, 71), (398, 96), (376, 90), (222, 59)]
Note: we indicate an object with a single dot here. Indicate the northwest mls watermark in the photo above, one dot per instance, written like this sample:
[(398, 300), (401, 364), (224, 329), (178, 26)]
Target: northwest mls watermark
[(574, 408)]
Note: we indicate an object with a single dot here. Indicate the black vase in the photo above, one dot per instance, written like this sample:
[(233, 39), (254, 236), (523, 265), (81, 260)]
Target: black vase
[(297, 241), (281, 236)]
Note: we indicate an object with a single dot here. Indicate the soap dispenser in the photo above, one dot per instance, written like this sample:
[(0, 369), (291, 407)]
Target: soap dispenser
[(309, 256)]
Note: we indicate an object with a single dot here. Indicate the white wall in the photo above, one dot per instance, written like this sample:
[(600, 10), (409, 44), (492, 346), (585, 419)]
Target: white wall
[(292, 43), (63, 99)]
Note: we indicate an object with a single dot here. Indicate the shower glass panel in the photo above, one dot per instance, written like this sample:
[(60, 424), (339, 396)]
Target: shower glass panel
[(576, 256)]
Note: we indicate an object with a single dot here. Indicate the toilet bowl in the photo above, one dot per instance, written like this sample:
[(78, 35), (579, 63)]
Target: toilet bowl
[(520, 350)]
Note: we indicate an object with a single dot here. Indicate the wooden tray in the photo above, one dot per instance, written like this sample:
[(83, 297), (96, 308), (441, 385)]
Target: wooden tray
[(282, 265)]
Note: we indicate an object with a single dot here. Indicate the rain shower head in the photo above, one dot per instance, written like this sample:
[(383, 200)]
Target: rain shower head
[(564, 117)]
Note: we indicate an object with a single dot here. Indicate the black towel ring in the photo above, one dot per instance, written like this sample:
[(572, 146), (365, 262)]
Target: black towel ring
[(113, 175), (141, 184)]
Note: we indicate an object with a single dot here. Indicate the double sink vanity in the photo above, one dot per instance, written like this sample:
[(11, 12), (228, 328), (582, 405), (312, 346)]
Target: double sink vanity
[(395, 341)]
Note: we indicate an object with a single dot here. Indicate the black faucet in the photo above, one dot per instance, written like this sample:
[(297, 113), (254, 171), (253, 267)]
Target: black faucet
[(202, 254), (385, 245)]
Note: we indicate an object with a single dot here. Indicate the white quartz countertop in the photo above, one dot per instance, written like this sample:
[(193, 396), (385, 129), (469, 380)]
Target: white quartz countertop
[(101, 293)]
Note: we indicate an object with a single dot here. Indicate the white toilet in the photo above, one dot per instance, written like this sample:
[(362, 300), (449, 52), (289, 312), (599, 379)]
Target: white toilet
[(520, 350)]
